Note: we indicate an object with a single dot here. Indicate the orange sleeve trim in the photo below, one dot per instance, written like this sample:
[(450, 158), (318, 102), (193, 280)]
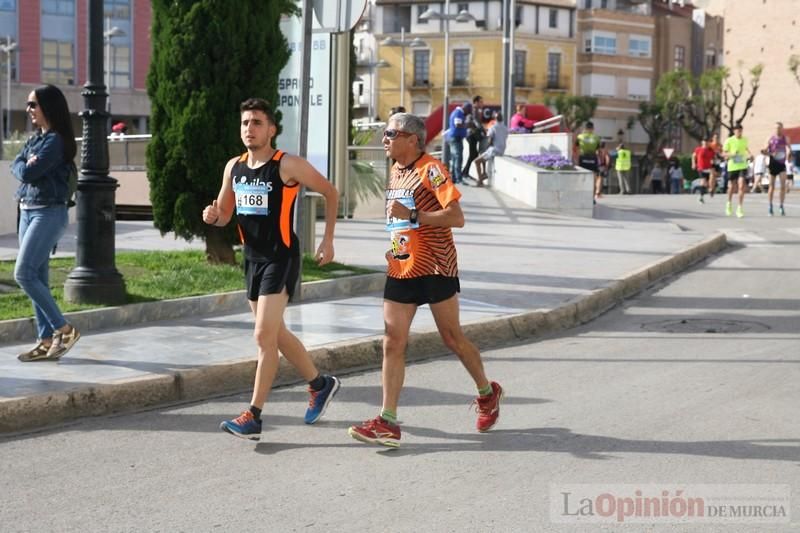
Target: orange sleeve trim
[(243, 158), (241, 233), (289, 196), (277, 155)]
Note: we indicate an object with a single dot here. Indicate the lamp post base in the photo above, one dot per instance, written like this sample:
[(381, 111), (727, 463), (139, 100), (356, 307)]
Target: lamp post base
[(92, 286)]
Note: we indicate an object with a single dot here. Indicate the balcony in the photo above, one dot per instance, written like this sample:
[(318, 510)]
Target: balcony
[(524, 82), (561, 84), (419, 84), (459, 82)]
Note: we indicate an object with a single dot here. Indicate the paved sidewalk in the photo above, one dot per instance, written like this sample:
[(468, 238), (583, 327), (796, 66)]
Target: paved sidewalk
[(523, 272)]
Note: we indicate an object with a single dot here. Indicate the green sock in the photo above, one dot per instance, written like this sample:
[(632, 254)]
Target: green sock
[(389, 416), (485, 391)]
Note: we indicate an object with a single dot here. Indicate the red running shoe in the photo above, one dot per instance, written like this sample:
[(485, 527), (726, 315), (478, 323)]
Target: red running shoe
[(488, 408), (377, 431)]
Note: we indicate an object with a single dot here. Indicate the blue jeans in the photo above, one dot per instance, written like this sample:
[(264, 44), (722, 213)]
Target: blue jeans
[(456, 158), (39, 231), (675, 186)]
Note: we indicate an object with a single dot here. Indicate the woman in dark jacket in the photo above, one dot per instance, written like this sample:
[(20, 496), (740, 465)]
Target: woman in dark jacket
[(43, 168)]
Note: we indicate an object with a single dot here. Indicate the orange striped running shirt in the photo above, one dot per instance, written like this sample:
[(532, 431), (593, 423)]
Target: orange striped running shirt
[(422, 250)]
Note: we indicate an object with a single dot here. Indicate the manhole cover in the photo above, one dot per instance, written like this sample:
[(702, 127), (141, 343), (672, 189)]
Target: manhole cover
[(704, 325)]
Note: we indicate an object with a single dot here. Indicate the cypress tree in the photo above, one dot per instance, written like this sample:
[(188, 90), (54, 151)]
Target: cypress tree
[(207, 57)]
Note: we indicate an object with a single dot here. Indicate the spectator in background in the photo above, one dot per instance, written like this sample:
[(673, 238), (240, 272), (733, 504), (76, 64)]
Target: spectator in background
[(675, 177), (118, 130), (623, 167), (520, 120), (759, 169), (455, 135), (498, 134), (475, 133), (657, 178)]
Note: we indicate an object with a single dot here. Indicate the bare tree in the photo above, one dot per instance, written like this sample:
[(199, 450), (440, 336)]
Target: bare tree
[(731, 95), (794, 66)]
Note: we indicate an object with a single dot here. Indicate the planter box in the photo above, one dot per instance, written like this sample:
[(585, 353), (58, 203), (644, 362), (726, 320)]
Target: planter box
[(561, 190)]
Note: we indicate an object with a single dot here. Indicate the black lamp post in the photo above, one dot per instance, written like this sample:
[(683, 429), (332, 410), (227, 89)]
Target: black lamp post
[(95, 278)]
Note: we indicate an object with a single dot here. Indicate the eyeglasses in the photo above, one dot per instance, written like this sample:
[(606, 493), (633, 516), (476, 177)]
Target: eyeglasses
[(394, 134), (31, 105)]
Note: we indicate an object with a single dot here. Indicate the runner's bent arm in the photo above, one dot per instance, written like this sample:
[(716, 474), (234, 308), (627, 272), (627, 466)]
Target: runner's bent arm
[(219, 213), (297, 169), (450, 217)]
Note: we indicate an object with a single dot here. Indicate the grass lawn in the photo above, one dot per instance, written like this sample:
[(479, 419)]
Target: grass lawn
[(151, 276)]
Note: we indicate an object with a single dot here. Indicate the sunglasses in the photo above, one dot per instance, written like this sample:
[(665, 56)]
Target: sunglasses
[(394, 134), (31, 105)]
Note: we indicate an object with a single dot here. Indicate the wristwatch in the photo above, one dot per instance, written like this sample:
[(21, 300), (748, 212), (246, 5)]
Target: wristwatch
[(413, 216)]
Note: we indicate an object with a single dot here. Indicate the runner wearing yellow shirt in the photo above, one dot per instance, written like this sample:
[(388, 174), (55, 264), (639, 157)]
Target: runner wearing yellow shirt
[(737, 152)]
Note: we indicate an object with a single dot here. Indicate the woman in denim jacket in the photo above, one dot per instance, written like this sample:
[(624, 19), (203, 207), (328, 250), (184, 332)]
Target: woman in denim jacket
[(43, 168)]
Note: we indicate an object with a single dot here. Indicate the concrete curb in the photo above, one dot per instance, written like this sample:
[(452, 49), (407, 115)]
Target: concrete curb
[(24, 329), (233, 376)]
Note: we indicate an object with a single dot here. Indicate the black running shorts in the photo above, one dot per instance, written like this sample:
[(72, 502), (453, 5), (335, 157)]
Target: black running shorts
[(776, 167), (735, 174), (422, 290), (589, 162), (270, 277)]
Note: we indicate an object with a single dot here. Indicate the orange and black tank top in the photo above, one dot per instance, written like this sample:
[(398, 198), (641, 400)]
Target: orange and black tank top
[(264, 210)]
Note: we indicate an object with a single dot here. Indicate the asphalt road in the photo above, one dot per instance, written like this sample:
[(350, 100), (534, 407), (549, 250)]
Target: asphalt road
[(692, 384)]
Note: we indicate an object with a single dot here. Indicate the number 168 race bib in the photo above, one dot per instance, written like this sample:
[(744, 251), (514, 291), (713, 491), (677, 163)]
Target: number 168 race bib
[(251, 199)]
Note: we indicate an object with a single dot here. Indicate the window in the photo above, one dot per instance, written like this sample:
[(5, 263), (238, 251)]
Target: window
[(395, 18), (463, 6), (638, 88), (680, 56), (421, 109), (520, 58), (117, 9), (12, 56), (518, 16), (639, 46), (58, 7), (460, 67), (711, 58), (602, 85), (58, 65), (422, 68), (554, 71), (8, 5), (601, 43), (421, 8), (554, 18), (120, 66)]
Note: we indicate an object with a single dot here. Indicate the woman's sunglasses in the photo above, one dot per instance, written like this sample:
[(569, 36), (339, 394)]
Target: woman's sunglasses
[(394, 134), (31, 105)]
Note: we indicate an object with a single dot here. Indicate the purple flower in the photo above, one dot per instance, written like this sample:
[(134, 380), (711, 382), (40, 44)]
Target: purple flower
[(548, 161)]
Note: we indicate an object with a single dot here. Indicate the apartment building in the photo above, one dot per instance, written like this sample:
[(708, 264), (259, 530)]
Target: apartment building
[(52, 47), (686, 38), (544, 52), (766, 32), (617, 65)]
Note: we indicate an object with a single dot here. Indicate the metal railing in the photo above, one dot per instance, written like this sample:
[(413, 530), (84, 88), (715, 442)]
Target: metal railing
[(125, 152)]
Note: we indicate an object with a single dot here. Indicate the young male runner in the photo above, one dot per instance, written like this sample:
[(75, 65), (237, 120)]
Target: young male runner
[(779, 150), (261, 186), (736, 151), (422, 207), (702, 162)]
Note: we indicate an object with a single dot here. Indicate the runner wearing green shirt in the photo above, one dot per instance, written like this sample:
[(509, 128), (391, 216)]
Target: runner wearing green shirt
[(587, 144), (737, 152)]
